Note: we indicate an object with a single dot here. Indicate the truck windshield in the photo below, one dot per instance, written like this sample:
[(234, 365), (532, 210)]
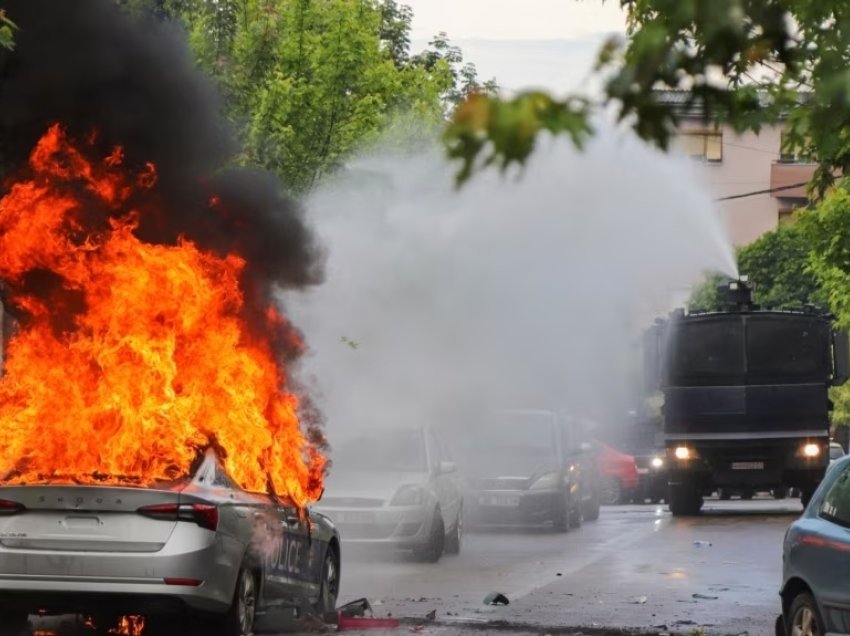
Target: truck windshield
[(748, 349)]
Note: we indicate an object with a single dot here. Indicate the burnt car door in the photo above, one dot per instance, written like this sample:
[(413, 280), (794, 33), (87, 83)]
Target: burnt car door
[(297, 556)]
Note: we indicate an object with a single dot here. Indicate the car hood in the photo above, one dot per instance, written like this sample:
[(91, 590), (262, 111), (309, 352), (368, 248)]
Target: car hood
[(370, 484)]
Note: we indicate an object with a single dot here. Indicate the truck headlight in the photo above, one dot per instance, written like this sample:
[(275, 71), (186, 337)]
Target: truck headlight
[(683, 453), (810, 450), (408, 496), (546, 482), (656, 462)]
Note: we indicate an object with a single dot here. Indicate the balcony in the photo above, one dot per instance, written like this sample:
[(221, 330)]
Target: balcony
[(786, 174)]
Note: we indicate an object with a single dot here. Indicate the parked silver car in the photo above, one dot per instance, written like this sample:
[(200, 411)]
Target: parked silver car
[(816, 559), (396, 488), (199, 551)]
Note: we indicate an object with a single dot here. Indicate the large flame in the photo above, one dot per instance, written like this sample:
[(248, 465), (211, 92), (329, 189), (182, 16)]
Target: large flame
[(155, 363)]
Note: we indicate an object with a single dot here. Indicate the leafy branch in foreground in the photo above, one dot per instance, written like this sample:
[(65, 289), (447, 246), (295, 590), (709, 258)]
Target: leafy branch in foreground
[(746, 63)]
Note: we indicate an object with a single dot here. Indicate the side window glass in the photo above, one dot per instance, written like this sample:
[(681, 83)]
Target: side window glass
[(836, 503)]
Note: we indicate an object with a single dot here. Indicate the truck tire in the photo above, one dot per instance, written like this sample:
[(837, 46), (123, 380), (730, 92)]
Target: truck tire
[(685, 500)]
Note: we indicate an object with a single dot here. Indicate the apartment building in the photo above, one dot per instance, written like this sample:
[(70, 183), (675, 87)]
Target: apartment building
[(735, 164)]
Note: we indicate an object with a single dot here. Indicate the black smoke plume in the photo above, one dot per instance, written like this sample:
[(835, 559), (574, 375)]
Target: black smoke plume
[(122, 81)]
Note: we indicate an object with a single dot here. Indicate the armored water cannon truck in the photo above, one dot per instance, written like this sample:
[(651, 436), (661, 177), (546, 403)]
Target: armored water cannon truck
[(746, 403)]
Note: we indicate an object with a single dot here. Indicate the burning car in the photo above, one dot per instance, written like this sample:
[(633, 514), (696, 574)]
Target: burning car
[(200, 550), (396, 488), (527, 467)]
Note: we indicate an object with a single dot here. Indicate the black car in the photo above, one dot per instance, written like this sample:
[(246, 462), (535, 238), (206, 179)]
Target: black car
[(526, 467)]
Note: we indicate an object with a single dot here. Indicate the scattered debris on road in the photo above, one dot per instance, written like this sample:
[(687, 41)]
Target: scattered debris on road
[(702, 544), (496, 598)]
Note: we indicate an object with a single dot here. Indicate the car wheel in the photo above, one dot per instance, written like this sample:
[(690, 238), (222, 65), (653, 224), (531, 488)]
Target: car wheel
[(590, 507), (433, 549), (239, 619), (455, 538), (611, 491), (804, 618), (13, 623), (329, 587), (574, 515)]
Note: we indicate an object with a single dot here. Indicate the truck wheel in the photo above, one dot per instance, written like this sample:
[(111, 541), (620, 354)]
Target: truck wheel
[(13, 623), (685, 500)]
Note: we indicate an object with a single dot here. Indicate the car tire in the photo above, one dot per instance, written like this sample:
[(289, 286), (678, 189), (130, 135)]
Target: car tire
[(574, 515), (685, 500), (561, 520), (803, 616), (239, 619), (590, 507), (433, 549), (329, 587), (14, 623), (455, 537), (612, 492)]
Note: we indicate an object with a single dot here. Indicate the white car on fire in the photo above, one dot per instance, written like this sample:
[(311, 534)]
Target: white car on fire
[(199, 550), (396, 488)]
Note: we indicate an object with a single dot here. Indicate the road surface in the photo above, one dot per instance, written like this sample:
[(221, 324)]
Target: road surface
[(636, 567)]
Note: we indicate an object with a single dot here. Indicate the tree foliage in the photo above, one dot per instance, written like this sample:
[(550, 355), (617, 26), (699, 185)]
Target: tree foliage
[(307, 82), (745, 62)]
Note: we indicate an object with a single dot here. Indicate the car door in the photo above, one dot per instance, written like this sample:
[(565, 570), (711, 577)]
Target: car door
[(299, 560), (445, 477), (821, 551)]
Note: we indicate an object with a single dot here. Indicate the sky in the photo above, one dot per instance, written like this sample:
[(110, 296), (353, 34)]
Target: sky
[(547, 44)]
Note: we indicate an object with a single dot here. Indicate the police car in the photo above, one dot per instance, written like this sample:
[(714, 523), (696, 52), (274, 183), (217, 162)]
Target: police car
[(200, 552)]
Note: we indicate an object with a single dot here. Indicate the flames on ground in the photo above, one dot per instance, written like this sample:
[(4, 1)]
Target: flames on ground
[(132, 357)]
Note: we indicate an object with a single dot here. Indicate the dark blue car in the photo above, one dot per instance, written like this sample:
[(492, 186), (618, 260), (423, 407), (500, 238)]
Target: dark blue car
[(816, 559)]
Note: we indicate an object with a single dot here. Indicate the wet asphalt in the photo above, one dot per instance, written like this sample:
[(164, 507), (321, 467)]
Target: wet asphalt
[(636, 568)]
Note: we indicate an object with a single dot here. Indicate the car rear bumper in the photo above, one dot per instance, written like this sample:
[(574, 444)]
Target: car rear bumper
[(83, 579)]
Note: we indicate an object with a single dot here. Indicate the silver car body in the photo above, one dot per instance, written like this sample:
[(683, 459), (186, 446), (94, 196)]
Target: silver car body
[(69, 548), (363, 501)]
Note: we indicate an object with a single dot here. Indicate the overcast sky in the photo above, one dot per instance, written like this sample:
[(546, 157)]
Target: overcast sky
[(522, 43)]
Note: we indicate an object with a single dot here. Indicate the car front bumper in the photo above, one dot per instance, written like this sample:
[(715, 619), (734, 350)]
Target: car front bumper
[(401, 527), (513, 507)]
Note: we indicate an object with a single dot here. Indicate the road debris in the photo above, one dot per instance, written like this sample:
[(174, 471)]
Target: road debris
[(496, 598), (430, 616), (639, 600), (702, 544), (704, 597)]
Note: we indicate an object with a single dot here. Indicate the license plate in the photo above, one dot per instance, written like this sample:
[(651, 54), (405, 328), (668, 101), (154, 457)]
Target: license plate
[(499, 500), (353, 516), (747, 465)]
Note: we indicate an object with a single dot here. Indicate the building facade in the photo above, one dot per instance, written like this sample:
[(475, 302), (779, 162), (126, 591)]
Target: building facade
[(734, 164)]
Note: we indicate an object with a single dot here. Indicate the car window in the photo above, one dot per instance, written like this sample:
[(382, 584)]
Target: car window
[(836, 503)]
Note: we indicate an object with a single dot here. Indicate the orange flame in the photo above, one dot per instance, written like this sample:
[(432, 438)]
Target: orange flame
[(156, 363)]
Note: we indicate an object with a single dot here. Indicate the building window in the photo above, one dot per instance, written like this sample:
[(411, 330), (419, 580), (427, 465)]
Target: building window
[(706, 145), (790, 154)]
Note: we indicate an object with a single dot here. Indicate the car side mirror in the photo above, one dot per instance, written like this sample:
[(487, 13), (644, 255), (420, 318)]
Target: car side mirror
[(447, 467)]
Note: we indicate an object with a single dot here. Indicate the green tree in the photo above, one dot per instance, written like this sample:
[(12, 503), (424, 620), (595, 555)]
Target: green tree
[(308, 82), (746, 62)]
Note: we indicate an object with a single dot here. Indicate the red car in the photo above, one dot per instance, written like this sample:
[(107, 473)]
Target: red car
[(618, 475)]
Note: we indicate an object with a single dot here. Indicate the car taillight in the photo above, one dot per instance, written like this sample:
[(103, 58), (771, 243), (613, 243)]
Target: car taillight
[(204, 515), (11, 507)]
